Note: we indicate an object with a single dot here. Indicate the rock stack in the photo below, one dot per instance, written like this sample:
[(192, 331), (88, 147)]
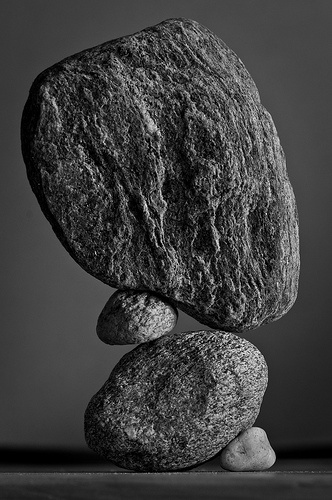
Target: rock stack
[(163, 176)]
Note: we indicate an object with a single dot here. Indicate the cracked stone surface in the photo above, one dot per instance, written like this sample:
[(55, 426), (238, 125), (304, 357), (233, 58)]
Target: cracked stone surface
[(176, 401), (159, 169), (131, 317)]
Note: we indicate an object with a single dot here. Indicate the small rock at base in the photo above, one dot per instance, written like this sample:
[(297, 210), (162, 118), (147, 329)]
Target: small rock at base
[(249, 451), (131, 317)]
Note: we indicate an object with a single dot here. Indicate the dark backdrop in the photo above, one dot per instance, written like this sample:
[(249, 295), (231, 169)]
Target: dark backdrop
[(51, 360)]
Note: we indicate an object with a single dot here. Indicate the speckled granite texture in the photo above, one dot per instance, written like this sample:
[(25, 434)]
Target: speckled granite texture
[(159, 169), (131, 317), (175, 402)]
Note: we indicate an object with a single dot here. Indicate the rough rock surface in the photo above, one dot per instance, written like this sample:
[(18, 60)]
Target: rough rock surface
[(160, 170), (131, 317), (175, 402), (249, 451)]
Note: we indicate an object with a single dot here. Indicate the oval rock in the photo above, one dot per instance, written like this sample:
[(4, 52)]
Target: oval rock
[(160, 170), (175, 402), (131, 317)]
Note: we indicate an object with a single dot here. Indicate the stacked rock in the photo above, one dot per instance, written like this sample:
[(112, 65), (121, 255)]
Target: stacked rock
[(163, 176), (174, 401), (131, 317)]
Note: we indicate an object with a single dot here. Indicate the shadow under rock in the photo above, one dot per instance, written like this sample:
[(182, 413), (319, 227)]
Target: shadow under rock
[(28, 459), (38, 459)]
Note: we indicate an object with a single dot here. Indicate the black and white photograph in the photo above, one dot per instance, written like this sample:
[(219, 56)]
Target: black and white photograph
[(166, 249)]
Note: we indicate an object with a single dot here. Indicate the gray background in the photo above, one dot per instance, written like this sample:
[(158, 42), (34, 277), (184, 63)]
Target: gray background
[(51, 360)]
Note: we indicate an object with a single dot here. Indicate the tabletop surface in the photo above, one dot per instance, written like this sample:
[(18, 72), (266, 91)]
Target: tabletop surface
[(59, 474)]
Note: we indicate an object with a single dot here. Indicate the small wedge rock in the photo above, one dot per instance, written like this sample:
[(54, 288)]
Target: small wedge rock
[(249, 451), (131, 317), (176, 401)]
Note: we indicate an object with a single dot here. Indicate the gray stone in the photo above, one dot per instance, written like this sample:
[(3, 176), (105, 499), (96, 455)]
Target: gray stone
[(175, 402), (131, 317), (249, 451), (160, 170)]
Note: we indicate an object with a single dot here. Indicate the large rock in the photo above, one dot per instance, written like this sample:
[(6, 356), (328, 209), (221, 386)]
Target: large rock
[(175, 402), (160, 170)]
